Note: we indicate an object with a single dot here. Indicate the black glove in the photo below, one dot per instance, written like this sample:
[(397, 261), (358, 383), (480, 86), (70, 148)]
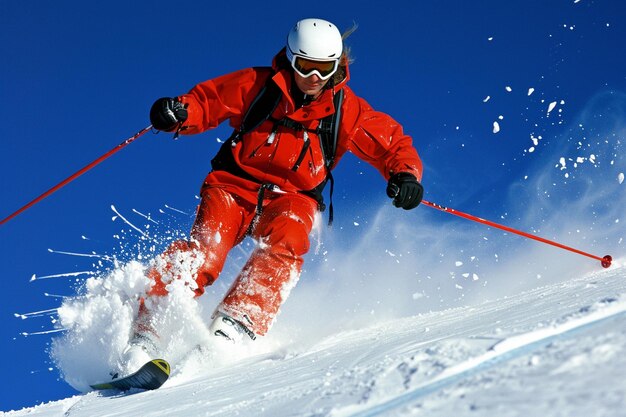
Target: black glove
[(405, 190), (167, 114)]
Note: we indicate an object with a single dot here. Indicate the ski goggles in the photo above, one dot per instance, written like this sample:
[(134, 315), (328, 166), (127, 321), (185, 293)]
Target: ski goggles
[(307, 67)]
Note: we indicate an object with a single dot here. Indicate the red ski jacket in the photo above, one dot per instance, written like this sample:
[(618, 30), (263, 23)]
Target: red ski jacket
[(373, 136)]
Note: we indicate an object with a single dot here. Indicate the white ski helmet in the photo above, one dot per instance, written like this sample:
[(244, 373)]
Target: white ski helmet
[(314, 39)]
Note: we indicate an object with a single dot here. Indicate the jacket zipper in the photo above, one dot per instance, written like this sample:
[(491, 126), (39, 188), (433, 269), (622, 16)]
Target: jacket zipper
[(269, 141)]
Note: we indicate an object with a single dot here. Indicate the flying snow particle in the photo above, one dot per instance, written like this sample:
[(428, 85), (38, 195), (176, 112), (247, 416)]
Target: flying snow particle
[(496, 127), (486, 99), (531, 90), (535, 139), (562, 162), (531, 149), (551, 106), (508, 89), (475, 277), (458, 263), (620, 177)]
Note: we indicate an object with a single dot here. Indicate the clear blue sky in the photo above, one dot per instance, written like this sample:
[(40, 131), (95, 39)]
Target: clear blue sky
[(78, 77)]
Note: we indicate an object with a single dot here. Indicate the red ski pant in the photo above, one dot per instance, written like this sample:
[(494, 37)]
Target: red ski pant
[(282, 232)]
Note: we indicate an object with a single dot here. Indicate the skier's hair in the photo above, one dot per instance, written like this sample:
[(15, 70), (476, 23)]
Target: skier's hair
[(346, 56), (345, 60)]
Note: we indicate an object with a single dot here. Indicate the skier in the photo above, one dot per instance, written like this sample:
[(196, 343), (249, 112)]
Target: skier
[(267, 179)]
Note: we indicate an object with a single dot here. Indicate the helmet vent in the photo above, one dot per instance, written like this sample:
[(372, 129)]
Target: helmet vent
[(315, 39)]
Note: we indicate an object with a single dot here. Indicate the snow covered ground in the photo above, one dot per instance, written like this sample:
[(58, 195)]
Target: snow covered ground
[(557, 350)]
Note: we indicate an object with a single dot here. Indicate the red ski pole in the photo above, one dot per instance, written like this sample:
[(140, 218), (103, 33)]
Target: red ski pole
[(78, 173), (605, 261)]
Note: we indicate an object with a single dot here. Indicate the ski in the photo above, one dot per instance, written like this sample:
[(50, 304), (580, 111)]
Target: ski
[(150, 376)]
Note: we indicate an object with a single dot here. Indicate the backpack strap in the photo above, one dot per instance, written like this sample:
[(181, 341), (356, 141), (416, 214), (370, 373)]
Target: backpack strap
[(261, 108), (328, 132)]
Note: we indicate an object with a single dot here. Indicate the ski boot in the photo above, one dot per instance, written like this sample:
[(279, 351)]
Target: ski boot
[(139, 351), (144, 343), (227, 329)]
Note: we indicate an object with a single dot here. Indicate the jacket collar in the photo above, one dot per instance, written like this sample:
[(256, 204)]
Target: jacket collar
[(283, 77)]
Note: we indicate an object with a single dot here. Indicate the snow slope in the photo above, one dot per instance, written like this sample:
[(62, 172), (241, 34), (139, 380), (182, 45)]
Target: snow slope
[(558, 350)]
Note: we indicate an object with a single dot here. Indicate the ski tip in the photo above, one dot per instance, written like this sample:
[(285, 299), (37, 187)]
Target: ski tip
[(150, 376), (606, 261), (163, 365)]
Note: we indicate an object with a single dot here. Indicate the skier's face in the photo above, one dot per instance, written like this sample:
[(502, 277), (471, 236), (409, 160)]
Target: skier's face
[(311, 85)]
